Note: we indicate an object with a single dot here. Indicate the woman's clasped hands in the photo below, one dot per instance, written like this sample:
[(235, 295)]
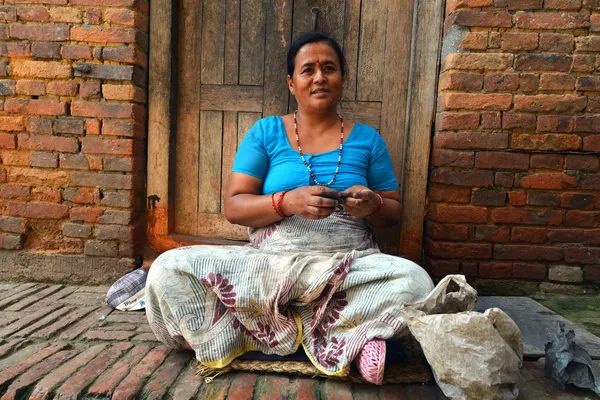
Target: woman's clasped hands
[(318, 202)]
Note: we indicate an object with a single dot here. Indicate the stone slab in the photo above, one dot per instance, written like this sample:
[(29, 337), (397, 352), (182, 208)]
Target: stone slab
[(538, 324)]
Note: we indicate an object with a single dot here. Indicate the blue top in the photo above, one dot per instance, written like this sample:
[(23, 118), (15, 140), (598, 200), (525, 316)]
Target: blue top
[(266, 153)]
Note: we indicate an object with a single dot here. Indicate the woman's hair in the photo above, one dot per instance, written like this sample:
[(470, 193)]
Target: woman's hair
[(313, 37)]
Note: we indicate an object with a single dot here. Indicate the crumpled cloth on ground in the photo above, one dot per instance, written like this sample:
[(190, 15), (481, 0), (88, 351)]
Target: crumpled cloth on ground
[(569, 363), (473, 355)]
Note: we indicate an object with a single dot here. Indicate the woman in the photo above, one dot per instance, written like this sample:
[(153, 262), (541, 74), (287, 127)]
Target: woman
[(309, 185)]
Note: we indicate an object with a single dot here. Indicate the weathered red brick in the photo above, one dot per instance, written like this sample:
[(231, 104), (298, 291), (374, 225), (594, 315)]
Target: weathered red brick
[(528, 82), (561, 104), (527, 252), (38, 210), (482, 18), (458, 250), (519, 121), (8, 141), (44, 159), (543, 62), (85, 214), (77, 230), (13, 224), (557, 82), (92, 145), (523, 216), (68, 125), (40, 32), (12, 123), (31, 87), (552, 142), (529, 271), (457, 121), (555, 123), (62, 88), (556, 42), (123, 164), (125, 200), (584, 219), (76, 52), (500, 160), (528, 234), (491, 120), (474, 101), (591, 143), (448, 194), (516, 41), (46, 194), (547, 181), (125, 54), (457, 214), (583, 255), (525, 4), (563, 4), (470, 140), (92, 126), (490, 233), (591, 236), (566, 235), (517, 198), (551, 20), (49, 382), (583, 63), (49, 143), (9, 191), (35, 107), (118, 127), (442, 267), (75, 385), (589, 83), (65, 14), (450, 158), (495, 270), (105, 181), (134, 381), (475, 41), (466, 81), (483, 197), (16, 50), (447, 231), (551, 199), (13, 371), (33, 14), (93, 16), (501, 82), (103, 109), (478, 61), (45, 50), (462, 178), (580, 201), (103, 35), (591, 273), (582, 163), (108, 72), (547, 161)]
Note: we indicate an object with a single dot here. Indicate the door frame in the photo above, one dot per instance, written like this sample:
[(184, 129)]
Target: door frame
[(418, 111)]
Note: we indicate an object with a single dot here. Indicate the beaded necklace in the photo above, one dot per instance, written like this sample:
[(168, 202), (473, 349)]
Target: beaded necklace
[(312, 175)]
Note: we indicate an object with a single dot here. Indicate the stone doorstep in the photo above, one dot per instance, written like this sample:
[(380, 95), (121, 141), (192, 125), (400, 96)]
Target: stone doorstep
[(82, 354)]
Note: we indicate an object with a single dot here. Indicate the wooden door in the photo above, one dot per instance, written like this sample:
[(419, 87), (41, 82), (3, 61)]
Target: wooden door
[(231, 71)]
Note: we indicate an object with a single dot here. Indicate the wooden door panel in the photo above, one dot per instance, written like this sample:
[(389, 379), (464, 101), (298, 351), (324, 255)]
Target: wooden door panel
[(371, 50), (232, 69)]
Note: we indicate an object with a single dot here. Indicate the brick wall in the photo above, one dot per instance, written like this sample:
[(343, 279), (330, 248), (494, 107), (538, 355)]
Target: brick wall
[(513, 198), (72, 137)]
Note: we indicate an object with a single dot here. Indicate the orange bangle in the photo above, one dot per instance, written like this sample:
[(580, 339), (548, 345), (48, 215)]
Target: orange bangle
[(380, 205), (279, 203), (275, 206)]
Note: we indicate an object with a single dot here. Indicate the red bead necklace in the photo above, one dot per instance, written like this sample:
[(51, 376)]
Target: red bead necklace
[(312, 175)]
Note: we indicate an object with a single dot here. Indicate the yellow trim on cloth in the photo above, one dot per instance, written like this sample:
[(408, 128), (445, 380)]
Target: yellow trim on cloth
[(218, 364)]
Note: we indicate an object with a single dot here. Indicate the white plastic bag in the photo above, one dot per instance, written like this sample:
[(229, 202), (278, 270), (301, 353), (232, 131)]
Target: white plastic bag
[(473, 355)]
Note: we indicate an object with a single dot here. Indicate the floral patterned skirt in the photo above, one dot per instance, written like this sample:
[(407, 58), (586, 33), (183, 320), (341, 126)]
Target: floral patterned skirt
[(320, 284)]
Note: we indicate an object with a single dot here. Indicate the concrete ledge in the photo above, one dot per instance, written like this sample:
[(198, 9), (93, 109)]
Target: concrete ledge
[(43, 267)]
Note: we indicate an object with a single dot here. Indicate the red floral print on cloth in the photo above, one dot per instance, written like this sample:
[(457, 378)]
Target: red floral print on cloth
[(238, 325), (265, 334), (330, 356), (267, 231), (324, 300), (221, 287)]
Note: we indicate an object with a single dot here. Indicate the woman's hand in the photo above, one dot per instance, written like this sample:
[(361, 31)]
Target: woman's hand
[(361, 201), (310, 202)]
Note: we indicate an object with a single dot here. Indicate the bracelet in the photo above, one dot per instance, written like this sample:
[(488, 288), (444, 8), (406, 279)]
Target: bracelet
[(380, 205), (275, 206), (279, 203)]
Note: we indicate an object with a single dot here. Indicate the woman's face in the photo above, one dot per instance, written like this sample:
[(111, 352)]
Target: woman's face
[(317, 82)]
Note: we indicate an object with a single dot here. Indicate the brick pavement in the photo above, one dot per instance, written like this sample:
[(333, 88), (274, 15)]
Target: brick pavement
[(54, 344)]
